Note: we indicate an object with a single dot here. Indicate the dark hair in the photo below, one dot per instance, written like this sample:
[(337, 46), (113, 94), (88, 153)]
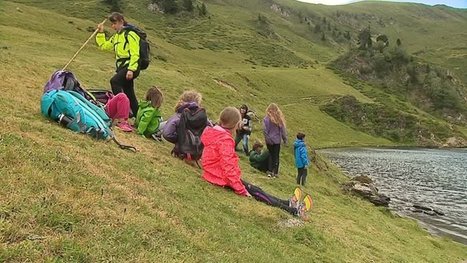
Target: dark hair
[(257, 145), (244, 107), (116, 16), (154, 95), (300, 136)]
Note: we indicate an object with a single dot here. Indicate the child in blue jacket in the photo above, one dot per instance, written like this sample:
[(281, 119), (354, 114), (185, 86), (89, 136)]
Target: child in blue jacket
[(301, 158)]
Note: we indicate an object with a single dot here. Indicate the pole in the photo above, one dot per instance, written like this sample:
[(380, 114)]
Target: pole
[(85, 43)]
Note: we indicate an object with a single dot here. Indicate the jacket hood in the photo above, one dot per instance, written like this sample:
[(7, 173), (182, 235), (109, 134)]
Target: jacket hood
[(188, 105), (214, 134), (145, 104), (298, 143)]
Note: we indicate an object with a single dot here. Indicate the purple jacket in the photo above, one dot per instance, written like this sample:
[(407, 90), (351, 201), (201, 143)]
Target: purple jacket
[(169, 132), (273, 133)]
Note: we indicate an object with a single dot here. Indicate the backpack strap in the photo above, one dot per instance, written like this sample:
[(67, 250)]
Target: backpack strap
[(123, 146)]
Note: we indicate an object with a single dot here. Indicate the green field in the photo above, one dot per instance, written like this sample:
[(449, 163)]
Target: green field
[(68, 198)]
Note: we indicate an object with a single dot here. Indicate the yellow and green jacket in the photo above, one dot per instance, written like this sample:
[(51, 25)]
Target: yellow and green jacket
[(124, 54)]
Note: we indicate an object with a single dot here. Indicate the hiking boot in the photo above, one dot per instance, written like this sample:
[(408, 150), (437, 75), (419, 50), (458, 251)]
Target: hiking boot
[(125, 126)]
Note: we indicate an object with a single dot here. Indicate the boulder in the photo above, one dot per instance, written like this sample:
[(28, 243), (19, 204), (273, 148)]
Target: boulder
[(363, 186)]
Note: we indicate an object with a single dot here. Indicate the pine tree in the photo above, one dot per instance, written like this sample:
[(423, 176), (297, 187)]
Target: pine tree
[(188, 5), (203, 11)]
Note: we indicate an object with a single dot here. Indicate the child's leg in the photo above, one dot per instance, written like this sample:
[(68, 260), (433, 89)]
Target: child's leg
[(245, 143), (270, 159), (118, 107), (238, 138), (299, 176), (303, 176), (264, 197)]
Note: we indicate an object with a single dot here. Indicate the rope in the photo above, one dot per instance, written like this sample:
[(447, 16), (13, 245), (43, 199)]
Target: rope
[(85, 43)]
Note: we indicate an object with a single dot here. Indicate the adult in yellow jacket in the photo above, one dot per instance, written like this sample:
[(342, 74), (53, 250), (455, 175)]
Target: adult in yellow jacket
[(125, 44)]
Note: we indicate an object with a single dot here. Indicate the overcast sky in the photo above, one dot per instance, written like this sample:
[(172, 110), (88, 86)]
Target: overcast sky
[(453, 3)]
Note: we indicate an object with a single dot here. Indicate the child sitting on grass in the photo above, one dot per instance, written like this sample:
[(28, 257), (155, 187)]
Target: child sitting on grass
[(118, 109), (221, 167), (259, 157), (149, 118)]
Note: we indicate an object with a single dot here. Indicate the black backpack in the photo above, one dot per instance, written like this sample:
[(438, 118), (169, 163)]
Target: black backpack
[(144, 49), (189, 130)]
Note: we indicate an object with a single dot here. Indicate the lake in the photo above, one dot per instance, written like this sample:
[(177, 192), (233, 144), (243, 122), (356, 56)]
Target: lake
[(428, 177)]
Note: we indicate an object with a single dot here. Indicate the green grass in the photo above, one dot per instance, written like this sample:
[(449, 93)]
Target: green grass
[(68, 198)]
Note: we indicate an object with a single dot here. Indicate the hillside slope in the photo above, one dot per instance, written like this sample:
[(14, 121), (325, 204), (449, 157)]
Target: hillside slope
[(66, 197)]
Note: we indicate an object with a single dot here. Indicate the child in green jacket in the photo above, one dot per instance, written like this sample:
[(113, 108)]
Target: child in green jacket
[(149, 117), (259, 158)]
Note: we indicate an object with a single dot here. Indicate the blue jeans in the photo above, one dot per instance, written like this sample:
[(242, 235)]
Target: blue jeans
[(243, 137)]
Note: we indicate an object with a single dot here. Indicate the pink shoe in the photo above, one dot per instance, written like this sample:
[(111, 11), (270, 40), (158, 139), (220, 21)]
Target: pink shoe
[(125, 126)]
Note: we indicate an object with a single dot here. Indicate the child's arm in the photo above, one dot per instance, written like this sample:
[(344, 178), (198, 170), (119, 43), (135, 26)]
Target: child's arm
[(304, 155), (145, 120), (230, 168)]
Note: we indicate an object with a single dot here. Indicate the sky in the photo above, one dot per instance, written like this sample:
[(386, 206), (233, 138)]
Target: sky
[(453, 3)]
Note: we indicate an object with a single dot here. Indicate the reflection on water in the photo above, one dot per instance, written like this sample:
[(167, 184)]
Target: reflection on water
[(432, 178)]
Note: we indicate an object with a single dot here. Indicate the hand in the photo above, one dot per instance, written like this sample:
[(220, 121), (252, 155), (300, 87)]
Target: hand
[(129, 75), (100, 27)]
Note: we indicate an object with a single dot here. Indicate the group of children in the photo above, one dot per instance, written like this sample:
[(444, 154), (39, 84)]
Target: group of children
[(219, 160)]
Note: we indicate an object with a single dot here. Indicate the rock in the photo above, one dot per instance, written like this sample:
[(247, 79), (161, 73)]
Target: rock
[(363, 179), (364, 187), (426, 210), (291, 222)]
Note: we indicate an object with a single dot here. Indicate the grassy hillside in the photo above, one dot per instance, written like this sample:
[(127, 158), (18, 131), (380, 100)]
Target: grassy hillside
[(68, 198)]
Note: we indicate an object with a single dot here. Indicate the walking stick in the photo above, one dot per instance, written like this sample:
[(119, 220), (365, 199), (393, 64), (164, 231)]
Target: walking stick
[(79, 50)]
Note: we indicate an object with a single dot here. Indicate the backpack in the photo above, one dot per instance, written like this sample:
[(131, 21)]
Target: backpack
[(101, 95), (65, 80), (144, 49), (75, 112), (189, 130), (84, 116)]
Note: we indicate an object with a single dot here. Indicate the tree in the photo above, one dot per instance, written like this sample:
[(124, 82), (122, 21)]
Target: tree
[(317, 28), (203, 11), (115, 5), (398, 42), (188, 5), (169, 6), (364, 39), (384, 39), (323, 37)]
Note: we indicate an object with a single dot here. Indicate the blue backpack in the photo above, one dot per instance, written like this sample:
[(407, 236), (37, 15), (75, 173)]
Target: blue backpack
[(73, 111), (83, 116)]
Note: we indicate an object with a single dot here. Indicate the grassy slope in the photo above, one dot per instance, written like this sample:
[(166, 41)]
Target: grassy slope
[(68, 198)]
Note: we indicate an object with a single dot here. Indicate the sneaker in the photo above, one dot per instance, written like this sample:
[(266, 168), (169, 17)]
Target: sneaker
[(269, 174), (125, 126), (301, 212), (308, 202), (157, 137)]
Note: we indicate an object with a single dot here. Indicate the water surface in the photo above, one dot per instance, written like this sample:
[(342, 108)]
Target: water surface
[(428, 177)]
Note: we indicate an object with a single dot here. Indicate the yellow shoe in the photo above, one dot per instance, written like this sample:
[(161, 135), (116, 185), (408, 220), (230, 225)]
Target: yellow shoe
[(308, 202)]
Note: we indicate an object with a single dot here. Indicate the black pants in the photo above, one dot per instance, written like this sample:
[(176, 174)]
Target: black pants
[(301, 175), (274, 150), (119, 83), (266, 198)]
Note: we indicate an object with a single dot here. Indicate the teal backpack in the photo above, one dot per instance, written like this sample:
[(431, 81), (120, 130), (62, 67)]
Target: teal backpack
[(73, 111)]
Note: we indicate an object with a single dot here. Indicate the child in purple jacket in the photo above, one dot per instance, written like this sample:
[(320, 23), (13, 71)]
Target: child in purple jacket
[(274, 132)]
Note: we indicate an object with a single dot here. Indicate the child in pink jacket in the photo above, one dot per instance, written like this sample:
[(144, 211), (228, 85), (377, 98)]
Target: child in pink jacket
[(220, 162)]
